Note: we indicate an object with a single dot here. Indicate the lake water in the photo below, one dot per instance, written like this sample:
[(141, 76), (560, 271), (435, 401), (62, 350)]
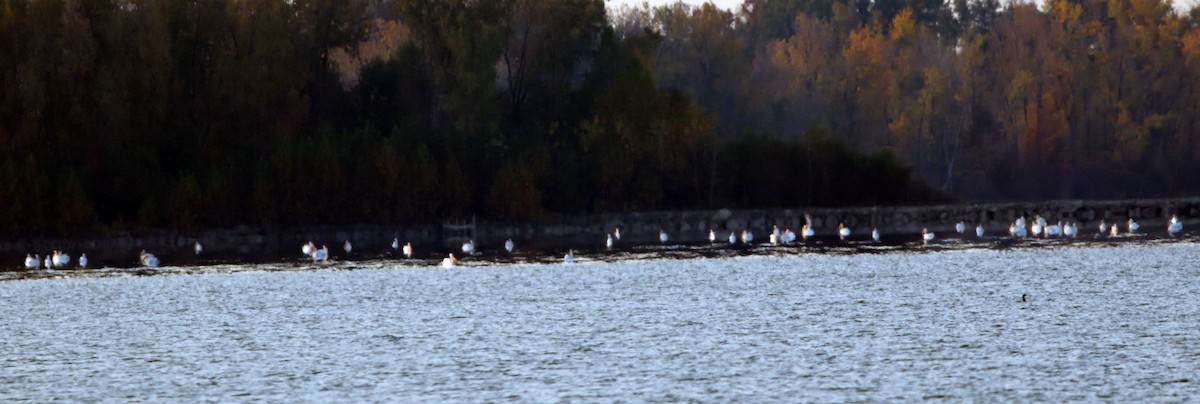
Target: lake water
[(1117, 323)]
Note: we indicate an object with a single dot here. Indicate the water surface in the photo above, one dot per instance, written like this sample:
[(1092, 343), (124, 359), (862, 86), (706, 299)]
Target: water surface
[(1101, 323)]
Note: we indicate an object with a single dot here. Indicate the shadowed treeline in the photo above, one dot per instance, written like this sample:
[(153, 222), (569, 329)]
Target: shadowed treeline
[(186, 114)]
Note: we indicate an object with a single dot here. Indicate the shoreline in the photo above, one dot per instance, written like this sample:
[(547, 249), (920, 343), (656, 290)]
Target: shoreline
[(588, 232)]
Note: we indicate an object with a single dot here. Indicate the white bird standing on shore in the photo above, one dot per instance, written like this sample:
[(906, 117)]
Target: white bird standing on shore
[(788, 236), (395, 244), (1103, 226), (1054, 230), (64, 259), (49, 263), (843, 231), (468, 247), (321, 254), (509, 246), (608, 243), (979, 230), (53, 260), (347, 246), (308, 249), (1038, 227), (806, 232), (747, 236), (875, 234), (1133, 226), (960, 227), (617, 233), (712, 236), (198, 248), (408, 251), (773, 239), (569, 258), (33, 262), (732, 238), (926, 236), (83, 261), (148, 259), (1070, 230), (1175, 226), (1114, 230), (776, 235), (662, 236), (449, 262)]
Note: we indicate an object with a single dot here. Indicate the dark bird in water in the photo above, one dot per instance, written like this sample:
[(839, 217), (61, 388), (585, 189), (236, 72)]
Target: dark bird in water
[(1023, 298)]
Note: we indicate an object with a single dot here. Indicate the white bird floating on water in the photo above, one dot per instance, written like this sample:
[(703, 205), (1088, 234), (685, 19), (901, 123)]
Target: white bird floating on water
[(347, 246), (843, 231), (570, 257), (33, 262), (875, 234), (1175, 226), (148, 259), (408, 250), (468, 247), (960, 227), (979, 230), (662, 236), (509, 246), (449, 262), (83, 261), (1017, 229), (788, 236), (926, 236), (198, 248), (747, 237), (1054, 230), (1133, 226)]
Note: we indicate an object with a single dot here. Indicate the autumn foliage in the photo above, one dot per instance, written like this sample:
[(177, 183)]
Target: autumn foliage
[(118, 114)]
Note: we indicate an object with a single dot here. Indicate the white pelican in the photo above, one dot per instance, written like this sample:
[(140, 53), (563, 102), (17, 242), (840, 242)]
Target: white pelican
[(788, 236), (33, 262), (509, 246), (1103, 227), (732, 238), (148, 259), (1070, 230), (347, 246), (468, 247), (395, 244), (449, 262), (926, 236), (979, 230), (1133, 226), (308, 249), (83, 261), (960, 227), (875, 234), (1113, 230), (1175, 226), (712, 236), (843, 231), (570, 257), (747, 236), (408, 251), (198, 248), (609, 242), (1054, 230), (321, 254), (662, 236)]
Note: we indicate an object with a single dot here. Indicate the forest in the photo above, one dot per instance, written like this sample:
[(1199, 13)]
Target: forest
[(121, 115)]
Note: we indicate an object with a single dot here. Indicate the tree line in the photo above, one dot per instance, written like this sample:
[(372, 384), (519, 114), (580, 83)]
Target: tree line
[(129, 114)]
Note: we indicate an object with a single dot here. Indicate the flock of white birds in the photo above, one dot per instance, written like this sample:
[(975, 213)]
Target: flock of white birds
[(1020, 228)]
